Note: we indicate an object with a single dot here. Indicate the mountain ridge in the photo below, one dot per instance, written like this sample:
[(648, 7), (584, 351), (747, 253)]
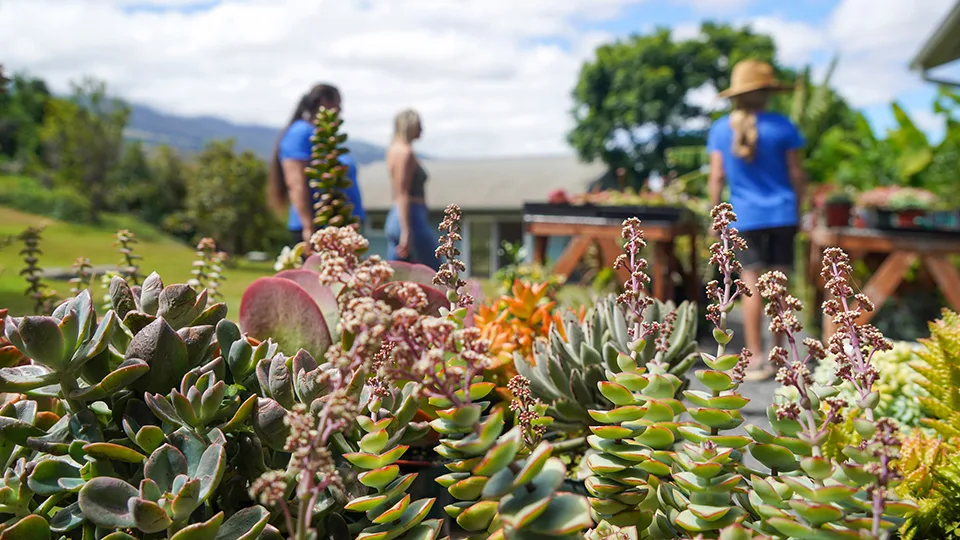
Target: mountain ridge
[(190, 134)]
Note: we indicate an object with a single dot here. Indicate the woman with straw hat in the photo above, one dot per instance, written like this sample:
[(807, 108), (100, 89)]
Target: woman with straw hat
[(757, 152)]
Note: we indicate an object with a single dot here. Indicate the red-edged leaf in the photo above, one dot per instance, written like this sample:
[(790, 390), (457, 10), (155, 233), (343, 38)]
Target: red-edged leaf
[(281, 309)]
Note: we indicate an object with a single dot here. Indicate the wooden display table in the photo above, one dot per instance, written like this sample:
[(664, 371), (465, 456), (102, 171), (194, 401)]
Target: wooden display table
[(605, 232), (902, 249)]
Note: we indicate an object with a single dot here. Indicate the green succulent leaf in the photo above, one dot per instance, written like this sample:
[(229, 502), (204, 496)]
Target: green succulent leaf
[(247, 524), (164, 465), (52, 476), (32, 527), (206, 530), (67, 519), (105, 502), (148, 515)]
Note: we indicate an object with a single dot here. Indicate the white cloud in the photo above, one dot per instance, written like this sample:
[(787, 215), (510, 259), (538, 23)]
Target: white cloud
[(489, 76)]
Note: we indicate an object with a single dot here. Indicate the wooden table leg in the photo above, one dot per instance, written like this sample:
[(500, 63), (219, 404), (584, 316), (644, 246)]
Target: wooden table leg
[(886, 279), (694, 285), (609, 251), (572, 256), (946, 276), (660, 270), (540, 249)]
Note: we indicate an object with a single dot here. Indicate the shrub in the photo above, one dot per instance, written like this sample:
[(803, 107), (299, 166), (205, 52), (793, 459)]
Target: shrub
[(28, 195)]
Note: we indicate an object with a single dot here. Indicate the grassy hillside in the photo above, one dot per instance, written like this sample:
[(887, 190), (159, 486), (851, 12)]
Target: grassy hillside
[(63, 243)]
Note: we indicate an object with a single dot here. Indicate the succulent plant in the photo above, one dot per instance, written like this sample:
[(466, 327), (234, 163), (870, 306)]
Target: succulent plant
[(37, 289), (853, 494), (207, 270), (82, 275), (389, 511), (179, 305), (565, 375), (632, 443), (128, 268), (606, 531), (705, 469), (327, 176)]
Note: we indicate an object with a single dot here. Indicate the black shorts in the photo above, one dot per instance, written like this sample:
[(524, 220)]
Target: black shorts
[(296, 237), (768, 248)]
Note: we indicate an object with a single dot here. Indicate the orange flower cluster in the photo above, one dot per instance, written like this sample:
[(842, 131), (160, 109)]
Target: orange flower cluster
[(514, 322)]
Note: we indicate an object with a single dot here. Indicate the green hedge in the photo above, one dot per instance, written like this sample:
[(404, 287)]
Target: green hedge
[(28, 195)]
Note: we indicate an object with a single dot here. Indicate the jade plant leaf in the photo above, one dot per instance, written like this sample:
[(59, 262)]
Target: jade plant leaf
[(67, 519), (148, 515), (162, 349), (105, 502), (205, 530), (282, 310), (32, 527), (164, 465)]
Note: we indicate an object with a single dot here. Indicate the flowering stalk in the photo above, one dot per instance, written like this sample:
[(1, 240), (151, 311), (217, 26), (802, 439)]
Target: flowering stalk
[(853, 361), (208, 269), (723, 257), (633, 296), (781, 309), (363, 325), (449, 274), (529, 411), (82, 276), (128, 267)]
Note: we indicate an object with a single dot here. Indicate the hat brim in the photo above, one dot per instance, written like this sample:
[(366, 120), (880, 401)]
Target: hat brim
[(743, 89)]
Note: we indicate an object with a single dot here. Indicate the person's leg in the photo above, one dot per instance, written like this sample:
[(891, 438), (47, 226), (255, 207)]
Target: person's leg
[(753, 317), (755, 260), (782, 258), (392, 231), (425, 239)]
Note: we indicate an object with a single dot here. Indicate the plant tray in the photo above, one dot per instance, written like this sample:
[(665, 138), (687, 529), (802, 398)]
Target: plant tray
[(668, 214), (933, 221)]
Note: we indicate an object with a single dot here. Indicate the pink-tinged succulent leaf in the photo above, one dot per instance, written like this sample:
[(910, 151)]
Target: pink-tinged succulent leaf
[(322, 295), (281, 309), (435, 298), (417, 273), (312, 263), (103, 500)]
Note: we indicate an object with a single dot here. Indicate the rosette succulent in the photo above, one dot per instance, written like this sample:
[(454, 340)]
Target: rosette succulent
[(566, 371)]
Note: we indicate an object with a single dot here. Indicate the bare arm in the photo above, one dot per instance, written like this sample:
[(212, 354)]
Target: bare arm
[(299, 193), (401, 178), (715, 179), (797, 176)]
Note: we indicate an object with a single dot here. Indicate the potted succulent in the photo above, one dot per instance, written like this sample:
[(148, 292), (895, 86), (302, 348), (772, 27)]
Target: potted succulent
[(909, 207), (838, 208)]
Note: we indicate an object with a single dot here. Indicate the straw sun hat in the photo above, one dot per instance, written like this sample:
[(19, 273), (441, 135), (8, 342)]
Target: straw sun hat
[(750, 75)]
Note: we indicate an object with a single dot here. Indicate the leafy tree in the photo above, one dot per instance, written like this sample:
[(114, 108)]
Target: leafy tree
[(83, 138), (226, 199), (23, 102), (631, 102), (149, 185)]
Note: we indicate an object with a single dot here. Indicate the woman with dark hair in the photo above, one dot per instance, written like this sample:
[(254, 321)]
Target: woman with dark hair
[(289, 191), (758, 153)]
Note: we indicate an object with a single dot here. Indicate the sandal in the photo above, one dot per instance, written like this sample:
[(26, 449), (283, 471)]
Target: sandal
[(760, 374)]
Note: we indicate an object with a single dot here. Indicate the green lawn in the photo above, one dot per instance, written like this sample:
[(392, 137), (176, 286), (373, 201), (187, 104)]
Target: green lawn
[(63, 243)]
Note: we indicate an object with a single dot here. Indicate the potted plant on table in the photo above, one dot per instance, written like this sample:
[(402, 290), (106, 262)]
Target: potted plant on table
[(838, 208), (909, 206)]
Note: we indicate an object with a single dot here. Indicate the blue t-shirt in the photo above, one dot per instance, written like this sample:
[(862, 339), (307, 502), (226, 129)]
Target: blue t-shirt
[(760, 191), (295, 144)]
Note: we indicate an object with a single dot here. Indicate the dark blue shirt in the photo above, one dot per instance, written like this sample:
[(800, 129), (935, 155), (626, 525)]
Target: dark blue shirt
[(760, 190), (295, 144)]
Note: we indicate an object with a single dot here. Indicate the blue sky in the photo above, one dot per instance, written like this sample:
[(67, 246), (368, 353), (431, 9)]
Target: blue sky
[(490, 77)]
